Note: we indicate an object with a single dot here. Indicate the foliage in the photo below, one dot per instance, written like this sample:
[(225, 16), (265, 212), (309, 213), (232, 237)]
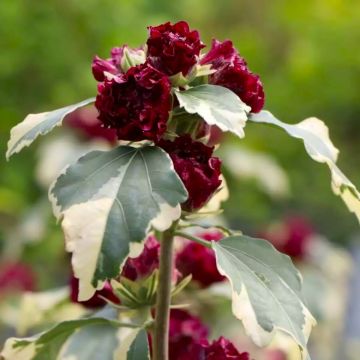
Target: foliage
[(161, 202)]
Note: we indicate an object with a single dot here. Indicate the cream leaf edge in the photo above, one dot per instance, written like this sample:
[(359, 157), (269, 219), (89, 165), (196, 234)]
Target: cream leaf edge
[(243, 310), (317, 142), (18, 133), (84, 225), (204, 110)]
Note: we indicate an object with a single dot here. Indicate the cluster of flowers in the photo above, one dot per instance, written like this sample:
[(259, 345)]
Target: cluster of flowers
[(135, 97), (188, 336), (135, 103)]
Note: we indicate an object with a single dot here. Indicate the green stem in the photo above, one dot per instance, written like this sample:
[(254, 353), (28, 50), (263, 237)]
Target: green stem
[(193, 238), (163, 296), (223, 229)]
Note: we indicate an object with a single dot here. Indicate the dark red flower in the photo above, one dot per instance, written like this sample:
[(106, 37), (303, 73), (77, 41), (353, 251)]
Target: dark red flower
[(197, 168), (239, 79), (16, 277), (114, 65), (143, 265), (222, 53), (173, 48), (291, 237), (99, 66), (95, 301), (136, 103), (223, 349), (85, 121), (187, 336), (188, 339), (232, 72), (200, 261)]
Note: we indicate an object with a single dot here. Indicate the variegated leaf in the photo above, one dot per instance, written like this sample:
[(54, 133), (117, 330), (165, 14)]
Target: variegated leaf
[(139, 349), (101, 336), (266, 290), (92, 342), (48, 344), (108, 200), (217, 105), (318, 145), (36, 309), (24, 133)]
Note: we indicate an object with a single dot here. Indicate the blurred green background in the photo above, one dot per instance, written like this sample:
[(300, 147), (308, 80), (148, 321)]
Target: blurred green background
[(306, 53)]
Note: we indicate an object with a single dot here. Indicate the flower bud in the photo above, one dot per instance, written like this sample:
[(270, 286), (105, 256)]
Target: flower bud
[(121, 60)]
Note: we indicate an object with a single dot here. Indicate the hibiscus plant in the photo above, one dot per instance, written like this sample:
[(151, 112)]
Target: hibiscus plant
[(122, 210)]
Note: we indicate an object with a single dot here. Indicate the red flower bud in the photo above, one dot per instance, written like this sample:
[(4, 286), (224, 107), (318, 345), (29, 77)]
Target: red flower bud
[(222, 53), (99, 66), (116, 63)]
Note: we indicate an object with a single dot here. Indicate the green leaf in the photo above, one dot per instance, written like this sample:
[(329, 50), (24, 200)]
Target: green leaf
[(139, 349), (315, 135), (266, 289), (181, 285), (108, 200), (217, 106), (92, 342), (48, 344), (36, 309), (24, 133), (101, 336)]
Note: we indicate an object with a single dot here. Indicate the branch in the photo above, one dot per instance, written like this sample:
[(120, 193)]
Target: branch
[(194, 238), (223, 229)]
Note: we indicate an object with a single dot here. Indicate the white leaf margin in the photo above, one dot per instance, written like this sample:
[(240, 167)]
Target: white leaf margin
[(232, 121), (243, 310), (84, 224), (11, 351), (125, 337), (315, 135), (22, 135)]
